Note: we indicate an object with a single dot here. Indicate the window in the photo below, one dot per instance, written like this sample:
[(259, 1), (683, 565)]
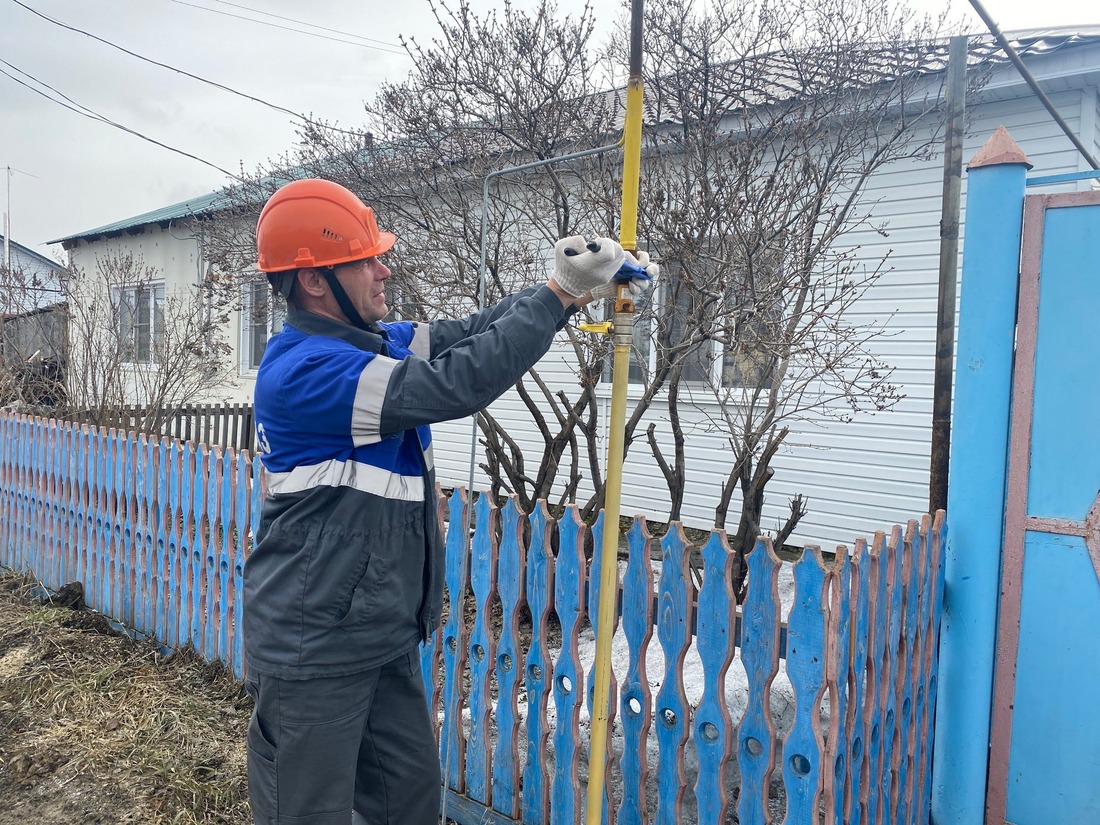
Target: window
[(727, 340), (684, 322), (746, 361), (141, 322), (650, 322), (261, 317)]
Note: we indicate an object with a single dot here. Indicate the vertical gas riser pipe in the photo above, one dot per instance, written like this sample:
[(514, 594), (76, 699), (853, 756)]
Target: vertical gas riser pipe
[(623, 337)]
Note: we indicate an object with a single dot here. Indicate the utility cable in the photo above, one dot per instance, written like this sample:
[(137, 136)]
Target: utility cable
[(289, 29), (276, 107), (303, 23), (93, 115), (84, 110)]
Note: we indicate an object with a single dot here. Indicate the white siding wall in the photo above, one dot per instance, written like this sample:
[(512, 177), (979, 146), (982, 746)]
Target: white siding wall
[(873, 472), (172, 251), (33, 284)]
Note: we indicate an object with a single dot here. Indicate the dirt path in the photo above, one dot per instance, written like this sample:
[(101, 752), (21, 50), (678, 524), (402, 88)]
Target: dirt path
[(98, 728)]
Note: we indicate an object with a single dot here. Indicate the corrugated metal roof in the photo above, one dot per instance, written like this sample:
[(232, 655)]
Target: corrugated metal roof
[(189, 208), (1038, 41), (779, 75)]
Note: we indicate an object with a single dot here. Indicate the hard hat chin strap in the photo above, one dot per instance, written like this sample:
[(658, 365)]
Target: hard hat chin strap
[(283, 283), (343, 300)]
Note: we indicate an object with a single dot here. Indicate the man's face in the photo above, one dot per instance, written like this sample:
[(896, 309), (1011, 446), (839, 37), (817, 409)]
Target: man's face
[(364, 282)]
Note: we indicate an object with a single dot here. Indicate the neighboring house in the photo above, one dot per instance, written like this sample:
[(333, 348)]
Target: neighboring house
[(33, 324), (857, 476), (168, 244), (28, 281)]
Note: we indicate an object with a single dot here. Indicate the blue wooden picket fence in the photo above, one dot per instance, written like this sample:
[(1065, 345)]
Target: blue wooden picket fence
[(158, 530)]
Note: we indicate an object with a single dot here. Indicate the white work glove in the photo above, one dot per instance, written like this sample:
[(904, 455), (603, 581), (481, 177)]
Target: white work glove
[(582, 264), (638, 285)]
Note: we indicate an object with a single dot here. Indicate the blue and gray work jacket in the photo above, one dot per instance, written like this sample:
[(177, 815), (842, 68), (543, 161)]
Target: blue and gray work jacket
[(347, 571)]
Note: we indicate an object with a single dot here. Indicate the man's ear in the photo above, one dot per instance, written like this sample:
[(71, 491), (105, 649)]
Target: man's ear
[(312, 282)]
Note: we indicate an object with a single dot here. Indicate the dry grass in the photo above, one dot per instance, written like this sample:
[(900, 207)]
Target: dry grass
[(97, 727)]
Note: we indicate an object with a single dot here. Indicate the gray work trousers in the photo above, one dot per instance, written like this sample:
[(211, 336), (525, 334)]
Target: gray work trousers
[(319, 748)]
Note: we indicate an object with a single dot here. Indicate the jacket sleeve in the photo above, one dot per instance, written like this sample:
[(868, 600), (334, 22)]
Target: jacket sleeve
[(488, 354), (446, 333)]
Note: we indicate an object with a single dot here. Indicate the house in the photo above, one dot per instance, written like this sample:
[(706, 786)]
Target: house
[(33, 322), (857, 476), (144, 262), (28, 281)]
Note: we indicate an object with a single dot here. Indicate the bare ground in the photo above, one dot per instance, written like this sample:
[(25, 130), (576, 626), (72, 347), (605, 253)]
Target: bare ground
[(98, 728)]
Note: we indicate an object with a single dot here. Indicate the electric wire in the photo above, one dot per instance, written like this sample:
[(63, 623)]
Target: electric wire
[(304, 23), (80, 109), (84, 109), (289, 29), (276, 107)]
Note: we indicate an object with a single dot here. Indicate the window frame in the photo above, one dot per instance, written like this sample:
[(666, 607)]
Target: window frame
[(248, 362), (125, 302), (715, 354)]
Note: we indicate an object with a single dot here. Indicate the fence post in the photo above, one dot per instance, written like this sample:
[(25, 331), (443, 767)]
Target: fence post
[(976, 496)]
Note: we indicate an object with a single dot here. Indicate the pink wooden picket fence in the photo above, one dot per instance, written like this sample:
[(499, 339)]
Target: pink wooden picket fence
[(158, 530)]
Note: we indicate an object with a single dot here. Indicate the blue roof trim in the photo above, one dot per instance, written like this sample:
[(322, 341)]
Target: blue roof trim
[(194, 207)]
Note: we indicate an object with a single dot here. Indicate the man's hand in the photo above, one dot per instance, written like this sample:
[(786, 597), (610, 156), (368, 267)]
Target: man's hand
[(583, 264), (638, 284)]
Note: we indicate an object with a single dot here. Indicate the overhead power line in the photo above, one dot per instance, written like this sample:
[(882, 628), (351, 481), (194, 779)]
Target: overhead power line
[(311, 25), (213, 83), (80, 109), (394, 50)]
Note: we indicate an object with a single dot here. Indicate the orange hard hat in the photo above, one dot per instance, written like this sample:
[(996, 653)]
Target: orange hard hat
[(313, 223)]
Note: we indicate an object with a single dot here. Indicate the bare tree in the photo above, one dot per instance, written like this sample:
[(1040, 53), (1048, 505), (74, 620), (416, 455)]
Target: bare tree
[(421, 163), (773, 119), (138, 352), (765, 122)]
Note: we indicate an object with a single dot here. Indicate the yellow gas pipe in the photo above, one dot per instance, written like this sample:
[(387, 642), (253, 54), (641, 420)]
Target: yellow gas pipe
[(622, 336)]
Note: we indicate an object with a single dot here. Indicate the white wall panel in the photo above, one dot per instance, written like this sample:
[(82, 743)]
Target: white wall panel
[(873, 472)]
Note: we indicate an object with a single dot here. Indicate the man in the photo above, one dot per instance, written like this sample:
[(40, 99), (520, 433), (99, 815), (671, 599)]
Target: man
[(346, 577)]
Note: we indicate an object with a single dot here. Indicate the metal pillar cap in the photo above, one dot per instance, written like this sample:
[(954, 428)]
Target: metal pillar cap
[(1000, 149)]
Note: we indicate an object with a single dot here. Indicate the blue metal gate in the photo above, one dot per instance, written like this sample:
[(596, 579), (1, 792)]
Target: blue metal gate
[(1018, 723), (1045, 744)]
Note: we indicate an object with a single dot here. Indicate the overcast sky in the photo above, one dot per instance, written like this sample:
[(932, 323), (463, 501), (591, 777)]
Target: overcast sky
[(72, 173)]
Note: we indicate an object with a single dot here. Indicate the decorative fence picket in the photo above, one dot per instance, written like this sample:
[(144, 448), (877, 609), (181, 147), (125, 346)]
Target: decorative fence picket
[(452, 738), (637, 698), (838, 638), (876, 679), (805, 644), (158, 531), (674, 611), (929, 681), (713, 726), (566, 796), (510, 578), (538, 667), (482, 652), (857, 668), (888, 724), (760, 654)]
